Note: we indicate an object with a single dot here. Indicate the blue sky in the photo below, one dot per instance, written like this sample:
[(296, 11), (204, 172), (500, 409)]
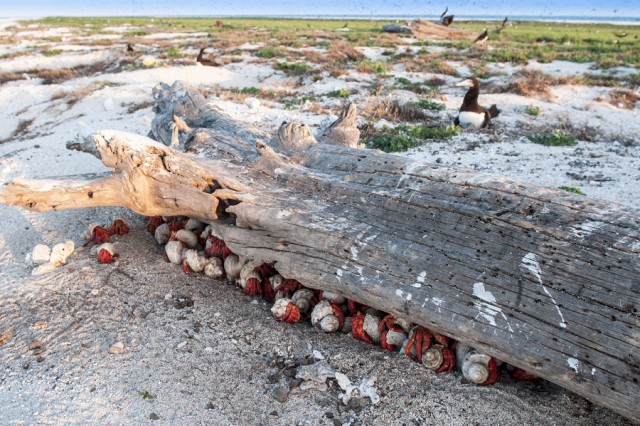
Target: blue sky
[(609, 8)]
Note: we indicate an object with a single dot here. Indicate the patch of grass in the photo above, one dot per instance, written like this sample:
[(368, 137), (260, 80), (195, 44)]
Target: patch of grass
[(343, 52), (392, 143), (136, 33), (532, 110), (416, 87), (146, 395), (340, 93), (269, 52), (292, 68), (431, 105), (407, 136), (572, 189), (530, 83), (53, 52), (556, 138), (247, 91), (373, 67), (623, 98), (174, 53), (392, 110)]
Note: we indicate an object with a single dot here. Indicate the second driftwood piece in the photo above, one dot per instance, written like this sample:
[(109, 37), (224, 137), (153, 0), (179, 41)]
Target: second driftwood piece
[(542, 279)]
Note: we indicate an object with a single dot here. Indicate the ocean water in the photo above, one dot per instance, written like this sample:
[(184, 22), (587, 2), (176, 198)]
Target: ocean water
[(627, 20)]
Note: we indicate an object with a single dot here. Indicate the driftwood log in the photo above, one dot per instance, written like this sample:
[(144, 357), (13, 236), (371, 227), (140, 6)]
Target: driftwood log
[(539, 278)]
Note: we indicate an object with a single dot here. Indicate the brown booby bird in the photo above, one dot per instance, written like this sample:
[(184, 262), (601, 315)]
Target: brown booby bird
[(130, 48), (471, 114), (205, 61), (446, 20), (482, 37)]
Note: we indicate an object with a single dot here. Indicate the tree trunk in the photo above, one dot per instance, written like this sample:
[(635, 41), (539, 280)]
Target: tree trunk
[(539, 278)]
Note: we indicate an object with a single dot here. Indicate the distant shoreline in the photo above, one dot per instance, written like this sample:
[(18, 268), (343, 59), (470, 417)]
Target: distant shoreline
[(461, 18)]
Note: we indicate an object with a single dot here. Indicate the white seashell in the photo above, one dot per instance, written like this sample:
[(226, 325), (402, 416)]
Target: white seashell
[(280, 307), (108, 247), (60, 252), (433, 357), (195, 260), (242, 282), (205, 233), (396, 338), (329, 324), (174, 250), (188, 238), (303, 298), (233, 266), (214, 268), (475, 367), (405, 324), (40, 254), (321, 310), (88, 233), (370, 326), (246, 269), (334, 297), (275, 281), (162, 234), (193, 224)]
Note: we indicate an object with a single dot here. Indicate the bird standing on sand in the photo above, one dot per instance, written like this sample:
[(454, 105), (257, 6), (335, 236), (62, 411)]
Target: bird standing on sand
[(471, 114), (130, 48), (482, 37), (205, 61)]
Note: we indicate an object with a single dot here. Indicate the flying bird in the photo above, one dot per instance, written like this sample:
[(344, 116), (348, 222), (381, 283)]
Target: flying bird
[(471, 114), (445, 19)]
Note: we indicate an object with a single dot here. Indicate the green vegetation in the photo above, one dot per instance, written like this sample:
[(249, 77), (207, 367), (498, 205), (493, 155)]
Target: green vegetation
[(174, 53), (572, 189), (417, 87), (53, 52), (292, 68), (556, 138), (341, 93), (146, 395), (373, 67), (405, 136), (534, 111), (548, 41), (247, 91), (431, 105), (524, 41), (270, 52), (136, 33)]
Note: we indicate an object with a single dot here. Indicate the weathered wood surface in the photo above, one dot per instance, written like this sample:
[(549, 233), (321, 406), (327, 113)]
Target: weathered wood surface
[(542, 279), (425, 30)]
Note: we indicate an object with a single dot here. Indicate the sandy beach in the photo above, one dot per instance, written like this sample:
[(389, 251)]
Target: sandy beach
[(196, 351)]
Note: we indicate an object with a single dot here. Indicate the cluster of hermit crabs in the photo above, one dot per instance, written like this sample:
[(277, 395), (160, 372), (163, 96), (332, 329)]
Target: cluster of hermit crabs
[(194, 246)]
